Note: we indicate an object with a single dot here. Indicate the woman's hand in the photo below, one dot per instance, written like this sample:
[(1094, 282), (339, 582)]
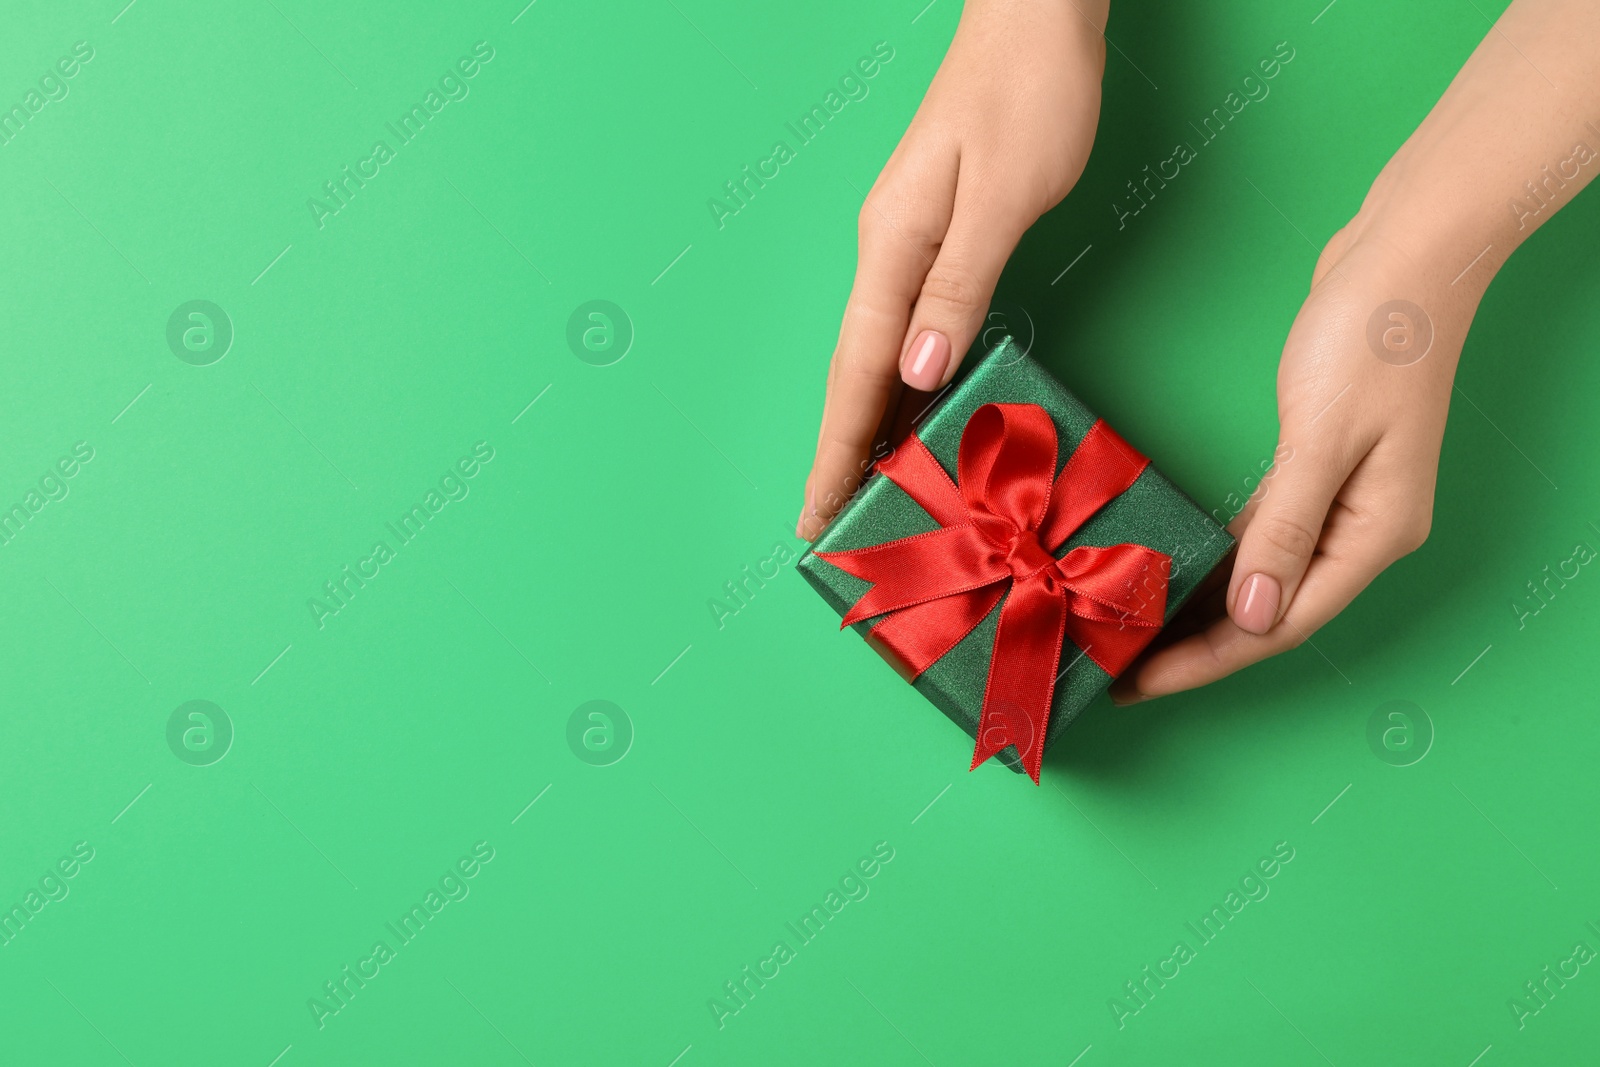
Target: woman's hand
[(1363, 390), (1366, 376), (1002, 135)]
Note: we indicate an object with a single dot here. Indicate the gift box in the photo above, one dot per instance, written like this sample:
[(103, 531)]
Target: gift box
[(1012, 556)]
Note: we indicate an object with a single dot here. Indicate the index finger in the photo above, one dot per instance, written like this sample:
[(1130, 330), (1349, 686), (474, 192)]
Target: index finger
[(899, 235)]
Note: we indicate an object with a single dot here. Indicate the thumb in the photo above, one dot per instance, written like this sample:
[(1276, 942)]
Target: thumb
[(955, 294), (1280, 535)]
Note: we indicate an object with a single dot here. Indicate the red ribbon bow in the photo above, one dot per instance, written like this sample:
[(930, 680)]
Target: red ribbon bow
[(998, 530)]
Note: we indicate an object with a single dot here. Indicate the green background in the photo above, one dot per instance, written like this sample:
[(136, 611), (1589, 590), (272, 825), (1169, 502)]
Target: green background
[(768, 755)]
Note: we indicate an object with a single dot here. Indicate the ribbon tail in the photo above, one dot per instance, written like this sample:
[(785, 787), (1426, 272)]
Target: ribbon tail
[(1022, 675), (917, 637), (923, 567)]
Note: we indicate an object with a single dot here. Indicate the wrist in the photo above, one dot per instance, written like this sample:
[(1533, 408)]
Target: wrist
[(1411, 268), (1461, 194), (1442, 236)]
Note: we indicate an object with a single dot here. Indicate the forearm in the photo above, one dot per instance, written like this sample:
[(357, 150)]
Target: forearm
[(1091, 15), (1514, 138)]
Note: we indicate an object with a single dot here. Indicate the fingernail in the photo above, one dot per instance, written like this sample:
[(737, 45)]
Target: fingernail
[(926, 360), (1122, 698), (1258, 603)]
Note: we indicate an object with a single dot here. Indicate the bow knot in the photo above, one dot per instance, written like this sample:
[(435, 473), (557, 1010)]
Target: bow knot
[(999, 527), (1025, 556)]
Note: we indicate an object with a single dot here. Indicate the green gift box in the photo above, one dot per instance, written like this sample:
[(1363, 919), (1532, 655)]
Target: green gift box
[(1138, 548)]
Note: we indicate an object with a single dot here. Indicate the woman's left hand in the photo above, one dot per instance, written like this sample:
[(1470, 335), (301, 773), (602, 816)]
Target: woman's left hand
[(1363, 390)]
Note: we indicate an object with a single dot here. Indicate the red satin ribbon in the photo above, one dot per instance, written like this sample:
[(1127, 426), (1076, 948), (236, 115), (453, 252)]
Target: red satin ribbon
[(998, 528)]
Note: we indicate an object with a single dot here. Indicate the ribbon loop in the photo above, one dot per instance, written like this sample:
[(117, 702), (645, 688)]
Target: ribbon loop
[(1006, 463)]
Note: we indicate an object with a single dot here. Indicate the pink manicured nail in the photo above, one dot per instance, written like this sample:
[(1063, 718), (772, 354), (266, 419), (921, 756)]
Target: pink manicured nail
[(925, 362), (1258, 603)]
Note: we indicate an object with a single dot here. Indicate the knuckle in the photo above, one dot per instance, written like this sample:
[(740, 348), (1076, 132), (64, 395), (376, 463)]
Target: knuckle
[(873, 221), (869, 216), (1215, 663), (892, 214), (1412, 534), (869, 225), (952, 288), (1286, 536), (1332, 252), (858, 366)]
